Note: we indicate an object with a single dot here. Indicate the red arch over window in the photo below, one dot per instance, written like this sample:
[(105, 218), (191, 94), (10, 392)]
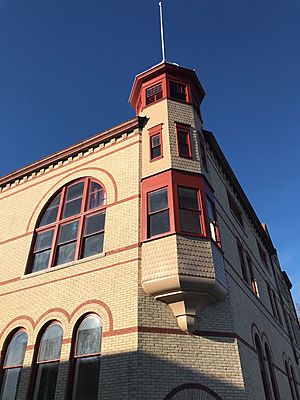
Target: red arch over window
[(71, 227)]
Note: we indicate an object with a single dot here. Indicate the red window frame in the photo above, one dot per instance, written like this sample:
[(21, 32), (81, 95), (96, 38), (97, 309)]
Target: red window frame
[(157, 94), (213, 222), (60, 221), (253, 282), (184, 130), (188, 209), (183, 90), (155, 131), (173, 179), (74, 357)]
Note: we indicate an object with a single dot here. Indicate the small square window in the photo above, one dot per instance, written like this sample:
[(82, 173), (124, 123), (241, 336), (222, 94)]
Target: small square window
[(178, 91), (154, 93)]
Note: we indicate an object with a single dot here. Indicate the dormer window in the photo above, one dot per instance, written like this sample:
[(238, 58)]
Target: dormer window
[(178, 91), (154, 93)]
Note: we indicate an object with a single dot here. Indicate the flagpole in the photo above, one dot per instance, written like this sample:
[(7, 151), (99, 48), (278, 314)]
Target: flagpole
[(162, 33)]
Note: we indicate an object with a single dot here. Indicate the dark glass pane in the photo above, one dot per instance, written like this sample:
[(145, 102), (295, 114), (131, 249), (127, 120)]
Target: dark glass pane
[(155, 152), (182, 137), (96, 196), (51, 212), (75, 191), (41, 261), (16, 349), (68, 232), (188, 198), (184, 150), (177, 91), (190, 221), (155, 140), (159, 223), (158, 200), (43, 240), (65, 253), (72, 208), (86, 380), (210, 210), (93, 245), (95, 223), (10, 384), (89, 336), (50, 346), (46, 381)]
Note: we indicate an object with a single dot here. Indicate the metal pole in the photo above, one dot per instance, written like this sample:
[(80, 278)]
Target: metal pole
[(162, 33)]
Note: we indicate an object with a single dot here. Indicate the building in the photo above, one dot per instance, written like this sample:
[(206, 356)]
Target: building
[(133, 266)]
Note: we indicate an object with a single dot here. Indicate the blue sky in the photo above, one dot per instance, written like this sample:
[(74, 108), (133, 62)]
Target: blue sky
[(67, 66)]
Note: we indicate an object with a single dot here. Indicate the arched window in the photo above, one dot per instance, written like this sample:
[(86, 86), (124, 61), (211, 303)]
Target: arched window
[(294, 383), (71, 227), (47, 363), (271, 372), (13, 364), (85, 359), (290, 380), (262, 367)]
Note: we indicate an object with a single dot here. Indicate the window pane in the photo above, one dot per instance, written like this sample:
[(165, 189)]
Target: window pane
[(16, 349), (89, 336), (188, 198), (75, 191), (93, 245), (51, 212), (210, 210), (158, 200), (41, 261), (159, 223), (68, 232), (51, 343), (10, 384), (155, 140), (44, 240), (190, 221), (183, 138), (96, 196), (72, 208), (95, 223), (177, 91), (86, 380), (65, 253), (46, 381), (155, 152), (184, 150)]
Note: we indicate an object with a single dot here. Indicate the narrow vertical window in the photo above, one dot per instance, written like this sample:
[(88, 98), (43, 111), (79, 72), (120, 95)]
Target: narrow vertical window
[(235, 209), (47, 363), (12, 365), (158, 212), (189, 210), (262, 367), (155, 137), (271, 372), (294, 383), (292, 389), (262, 254), (242, 262), (203, 155), (183, 141), (253, 282), (212, 220), (86, 359)]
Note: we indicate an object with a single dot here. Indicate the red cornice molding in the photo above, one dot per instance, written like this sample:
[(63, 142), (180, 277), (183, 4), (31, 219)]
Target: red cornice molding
[(127, 126)]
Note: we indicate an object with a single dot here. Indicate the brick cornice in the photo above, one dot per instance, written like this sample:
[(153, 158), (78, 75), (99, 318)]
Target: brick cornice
[(71, 151)]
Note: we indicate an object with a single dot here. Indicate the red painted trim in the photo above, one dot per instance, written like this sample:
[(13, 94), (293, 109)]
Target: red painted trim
[(155, 131), (125, 248), (75, 168), (98, 302), (184, 128)]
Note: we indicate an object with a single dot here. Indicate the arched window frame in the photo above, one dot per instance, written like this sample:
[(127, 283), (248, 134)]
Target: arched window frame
[(271, 372), (290, 380), (72, 386), (264, 374), (33, 390), (81, 217), (4, 356)]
